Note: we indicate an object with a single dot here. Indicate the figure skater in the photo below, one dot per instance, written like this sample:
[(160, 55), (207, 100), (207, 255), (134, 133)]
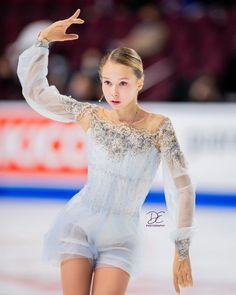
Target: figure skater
[(97, 238)]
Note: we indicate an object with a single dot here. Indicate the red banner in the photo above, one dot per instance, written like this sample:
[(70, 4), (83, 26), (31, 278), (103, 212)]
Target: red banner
[(35, 144)]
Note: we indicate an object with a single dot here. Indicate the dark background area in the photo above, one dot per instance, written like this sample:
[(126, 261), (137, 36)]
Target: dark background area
[(188, 47)]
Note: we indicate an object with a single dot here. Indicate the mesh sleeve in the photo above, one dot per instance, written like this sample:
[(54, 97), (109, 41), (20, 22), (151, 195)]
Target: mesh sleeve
[(178, 186), (32, 71)]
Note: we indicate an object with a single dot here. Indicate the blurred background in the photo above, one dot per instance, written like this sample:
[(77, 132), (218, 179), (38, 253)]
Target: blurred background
[(189, 53)]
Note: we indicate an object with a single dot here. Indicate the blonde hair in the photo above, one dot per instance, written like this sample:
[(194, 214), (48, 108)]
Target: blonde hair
[(125, 56)]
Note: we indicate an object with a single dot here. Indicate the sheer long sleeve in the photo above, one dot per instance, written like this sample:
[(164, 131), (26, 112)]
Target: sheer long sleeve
[(178, 186), (46, 100)]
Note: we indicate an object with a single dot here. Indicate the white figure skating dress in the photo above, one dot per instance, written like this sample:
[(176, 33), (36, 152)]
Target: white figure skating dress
[(102, 221)]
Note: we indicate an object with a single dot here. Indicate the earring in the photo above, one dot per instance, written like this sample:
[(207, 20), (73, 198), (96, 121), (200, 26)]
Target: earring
[(100, 98)]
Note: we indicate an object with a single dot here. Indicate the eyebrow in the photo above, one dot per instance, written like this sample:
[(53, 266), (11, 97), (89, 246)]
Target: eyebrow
[(123, 78)]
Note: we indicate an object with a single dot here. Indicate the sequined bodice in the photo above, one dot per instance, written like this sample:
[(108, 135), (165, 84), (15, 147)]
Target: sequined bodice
[(122, 162)]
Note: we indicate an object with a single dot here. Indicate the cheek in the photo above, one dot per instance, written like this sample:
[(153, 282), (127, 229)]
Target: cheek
[(105, 89), (126, 89)]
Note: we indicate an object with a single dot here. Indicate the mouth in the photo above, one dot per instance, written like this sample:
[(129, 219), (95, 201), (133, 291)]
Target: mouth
[(115, 101)]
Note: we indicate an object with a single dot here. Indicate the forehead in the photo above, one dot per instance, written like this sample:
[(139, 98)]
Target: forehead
[(112, 70)]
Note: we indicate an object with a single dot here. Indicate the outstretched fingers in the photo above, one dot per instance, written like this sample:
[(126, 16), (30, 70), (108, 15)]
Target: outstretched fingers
[(78, 21), (68, 22), (76, 14), (74, 18), (68, 37)]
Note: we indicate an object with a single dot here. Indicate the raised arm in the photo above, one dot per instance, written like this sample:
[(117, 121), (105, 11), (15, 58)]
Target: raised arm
[(180, 199), (32, 71)]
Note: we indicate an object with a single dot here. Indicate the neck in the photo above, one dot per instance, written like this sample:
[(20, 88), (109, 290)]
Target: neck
[(128, 113)]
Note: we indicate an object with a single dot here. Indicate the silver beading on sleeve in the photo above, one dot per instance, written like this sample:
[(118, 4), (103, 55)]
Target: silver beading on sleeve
[(42, 43), (183, 248)]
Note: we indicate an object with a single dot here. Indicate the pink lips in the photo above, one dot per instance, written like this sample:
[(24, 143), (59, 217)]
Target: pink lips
[(115, 101)]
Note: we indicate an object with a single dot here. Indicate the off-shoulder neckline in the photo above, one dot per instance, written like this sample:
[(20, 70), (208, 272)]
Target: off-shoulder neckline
[(129, 126)]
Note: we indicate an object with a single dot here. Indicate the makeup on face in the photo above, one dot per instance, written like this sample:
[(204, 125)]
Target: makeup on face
[(117, 93), (118, 82), (115, 102)]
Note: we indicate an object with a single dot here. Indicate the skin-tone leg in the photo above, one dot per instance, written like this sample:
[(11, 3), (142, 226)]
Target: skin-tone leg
[(76, 276), (110, 281)]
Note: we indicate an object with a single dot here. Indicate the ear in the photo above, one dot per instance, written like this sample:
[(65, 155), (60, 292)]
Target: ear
[(140, 83)]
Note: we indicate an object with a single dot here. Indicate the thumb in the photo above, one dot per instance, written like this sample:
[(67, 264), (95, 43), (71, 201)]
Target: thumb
[(71, 37)]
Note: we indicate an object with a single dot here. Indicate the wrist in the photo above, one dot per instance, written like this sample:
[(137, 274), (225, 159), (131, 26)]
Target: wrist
[(42, 37), (42, 41), (182, 248)]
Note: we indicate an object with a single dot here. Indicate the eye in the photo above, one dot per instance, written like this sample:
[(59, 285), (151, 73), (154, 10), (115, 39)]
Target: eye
[(107, 82), (123, 83)]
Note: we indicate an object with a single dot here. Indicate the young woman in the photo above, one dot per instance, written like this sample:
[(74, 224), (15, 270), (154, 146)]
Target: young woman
[(98, 233)]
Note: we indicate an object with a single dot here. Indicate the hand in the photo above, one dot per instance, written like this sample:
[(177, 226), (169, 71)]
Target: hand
[(182, 274), (57, 30)]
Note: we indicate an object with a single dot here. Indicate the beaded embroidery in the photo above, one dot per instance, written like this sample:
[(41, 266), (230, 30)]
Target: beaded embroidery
[(169, 145), (183, 248), (119, 139), (42, 43), (75, 107)]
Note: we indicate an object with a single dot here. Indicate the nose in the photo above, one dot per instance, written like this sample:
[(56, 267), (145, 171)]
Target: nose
[(114, 91)]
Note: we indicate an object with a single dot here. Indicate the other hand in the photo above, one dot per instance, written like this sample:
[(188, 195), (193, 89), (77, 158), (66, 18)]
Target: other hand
[(182, 273)]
